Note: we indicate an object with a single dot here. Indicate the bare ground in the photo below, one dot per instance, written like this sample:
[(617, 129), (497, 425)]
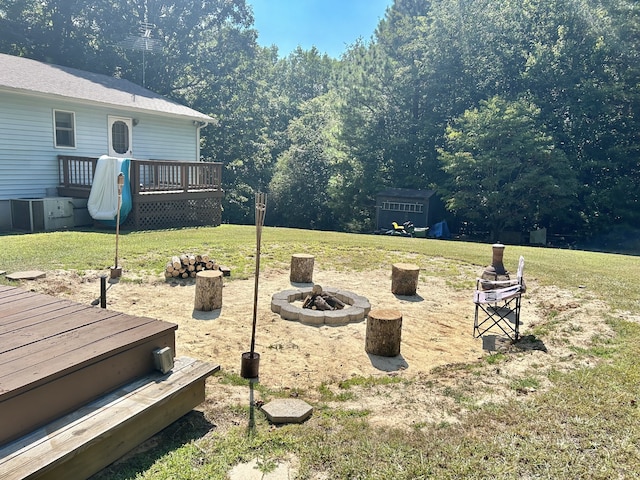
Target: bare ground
[(437, 339)]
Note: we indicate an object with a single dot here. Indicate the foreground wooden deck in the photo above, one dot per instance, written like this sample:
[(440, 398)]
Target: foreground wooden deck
[(79, 386)]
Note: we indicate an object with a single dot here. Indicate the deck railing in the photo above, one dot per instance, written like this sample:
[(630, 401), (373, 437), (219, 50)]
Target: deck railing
[(146, 176)]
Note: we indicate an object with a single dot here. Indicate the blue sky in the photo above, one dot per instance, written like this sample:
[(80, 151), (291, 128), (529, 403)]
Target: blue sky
[(330, 25)]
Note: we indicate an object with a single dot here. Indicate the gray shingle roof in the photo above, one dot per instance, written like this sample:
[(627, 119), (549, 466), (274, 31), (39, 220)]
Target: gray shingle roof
[(30, 76)]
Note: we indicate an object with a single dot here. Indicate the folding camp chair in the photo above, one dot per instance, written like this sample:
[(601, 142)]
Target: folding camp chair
[(498, 305)]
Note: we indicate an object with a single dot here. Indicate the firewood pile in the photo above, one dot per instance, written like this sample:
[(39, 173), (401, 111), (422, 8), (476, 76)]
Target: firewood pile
[(187, 266), (319, 300)]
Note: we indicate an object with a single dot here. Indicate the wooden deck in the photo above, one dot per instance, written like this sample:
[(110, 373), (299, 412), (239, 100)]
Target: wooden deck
[(59, 359), (164, 194)]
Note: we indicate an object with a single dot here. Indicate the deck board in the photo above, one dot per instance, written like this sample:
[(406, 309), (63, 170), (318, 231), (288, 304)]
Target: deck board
[(42, 313)]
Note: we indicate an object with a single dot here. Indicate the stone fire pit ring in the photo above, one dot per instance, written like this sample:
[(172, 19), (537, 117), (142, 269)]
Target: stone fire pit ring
[(356, 309)]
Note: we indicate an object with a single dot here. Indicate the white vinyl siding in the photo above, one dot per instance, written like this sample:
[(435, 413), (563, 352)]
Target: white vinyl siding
[(28, 156), (177, 140)]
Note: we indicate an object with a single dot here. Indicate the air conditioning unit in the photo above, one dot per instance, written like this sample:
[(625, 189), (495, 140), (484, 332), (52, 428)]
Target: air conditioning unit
[(42, 214)]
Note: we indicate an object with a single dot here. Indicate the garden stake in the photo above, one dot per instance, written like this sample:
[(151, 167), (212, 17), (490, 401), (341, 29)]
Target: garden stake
[(251, 359)]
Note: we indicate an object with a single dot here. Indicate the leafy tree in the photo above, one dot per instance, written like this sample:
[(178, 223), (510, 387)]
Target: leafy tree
[(505, 172), (582, 72), (300, 185)]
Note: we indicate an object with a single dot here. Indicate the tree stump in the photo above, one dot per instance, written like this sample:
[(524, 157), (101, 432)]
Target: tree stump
[(301, 268), (208, 290), (384, 330), (404, 278)]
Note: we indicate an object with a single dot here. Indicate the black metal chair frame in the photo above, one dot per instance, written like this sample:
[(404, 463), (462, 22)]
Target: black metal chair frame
[(497, 304)]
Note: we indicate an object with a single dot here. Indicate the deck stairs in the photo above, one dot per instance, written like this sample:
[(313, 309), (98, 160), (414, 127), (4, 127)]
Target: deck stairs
[(80, 386)]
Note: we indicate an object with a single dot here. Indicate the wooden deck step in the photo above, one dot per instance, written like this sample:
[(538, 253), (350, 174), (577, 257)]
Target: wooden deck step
[(87, 440), (57, 355)]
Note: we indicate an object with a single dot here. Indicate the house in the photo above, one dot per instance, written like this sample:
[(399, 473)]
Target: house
[(423, 208), (56, 121)]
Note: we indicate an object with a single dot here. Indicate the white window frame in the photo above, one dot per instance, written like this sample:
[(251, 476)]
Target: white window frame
[(395, 206), (72, 129), (111, 119)]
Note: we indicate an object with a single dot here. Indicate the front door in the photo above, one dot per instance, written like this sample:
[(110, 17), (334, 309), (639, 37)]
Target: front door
[(120, 136)]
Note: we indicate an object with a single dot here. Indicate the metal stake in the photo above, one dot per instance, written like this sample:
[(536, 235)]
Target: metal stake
[(251, 360), (117, 271), (261, 208)]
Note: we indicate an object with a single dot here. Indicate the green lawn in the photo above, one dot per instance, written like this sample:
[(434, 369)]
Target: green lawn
[(585, 425)]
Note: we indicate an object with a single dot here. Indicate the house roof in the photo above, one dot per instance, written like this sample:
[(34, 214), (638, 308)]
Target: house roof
[(23, 75)]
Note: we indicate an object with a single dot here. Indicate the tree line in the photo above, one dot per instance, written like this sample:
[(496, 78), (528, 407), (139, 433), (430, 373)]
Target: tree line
[(521, 114)]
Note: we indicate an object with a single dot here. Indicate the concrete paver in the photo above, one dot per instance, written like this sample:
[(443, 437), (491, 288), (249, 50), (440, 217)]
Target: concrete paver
[(250, 471)]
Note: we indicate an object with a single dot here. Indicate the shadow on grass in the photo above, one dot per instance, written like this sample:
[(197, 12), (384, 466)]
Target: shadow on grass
[(495, 343), (190, 427)]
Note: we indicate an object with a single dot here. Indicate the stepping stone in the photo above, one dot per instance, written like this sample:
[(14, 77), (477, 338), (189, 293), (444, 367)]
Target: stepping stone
[(287, 410), (28, 275)]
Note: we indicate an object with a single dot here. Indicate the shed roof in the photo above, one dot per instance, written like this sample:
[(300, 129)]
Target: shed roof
[(26, 76), (406, 193)]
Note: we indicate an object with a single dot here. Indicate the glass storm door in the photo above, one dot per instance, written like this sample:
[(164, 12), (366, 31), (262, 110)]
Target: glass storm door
[(120, 137)]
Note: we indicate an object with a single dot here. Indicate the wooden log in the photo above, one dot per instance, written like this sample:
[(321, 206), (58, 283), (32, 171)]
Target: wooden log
[(208, 290), (404, 278), (175, 261), (301, 268), (384, 332)]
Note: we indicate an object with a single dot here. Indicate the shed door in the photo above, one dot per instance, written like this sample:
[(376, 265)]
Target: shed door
[(120, 137)]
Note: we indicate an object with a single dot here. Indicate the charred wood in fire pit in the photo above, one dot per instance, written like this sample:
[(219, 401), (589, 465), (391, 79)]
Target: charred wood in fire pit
[(321, 304), (319, 300)]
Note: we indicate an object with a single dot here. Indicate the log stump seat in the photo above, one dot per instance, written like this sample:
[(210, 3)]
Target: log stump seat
[(301, 268), (404, 278), (208, 290), (384, 332)]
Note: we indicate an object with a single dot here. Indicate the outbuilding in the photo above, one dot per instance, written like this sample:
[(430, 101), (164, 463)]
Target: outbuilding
[(423, 208)]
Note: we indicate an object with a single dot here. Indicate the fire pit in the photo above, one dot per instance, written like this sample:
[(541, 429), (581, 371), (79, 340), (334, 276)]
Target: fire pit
[(356, 307)]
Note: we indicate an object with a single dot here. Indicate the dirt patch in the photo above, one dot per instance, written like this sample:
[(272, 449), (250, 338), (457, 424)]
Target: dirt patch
[(436, 339)]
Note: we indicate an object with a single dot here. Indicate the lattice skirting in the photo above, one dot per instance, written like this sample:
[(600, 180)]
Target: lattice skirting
[(176, 213)]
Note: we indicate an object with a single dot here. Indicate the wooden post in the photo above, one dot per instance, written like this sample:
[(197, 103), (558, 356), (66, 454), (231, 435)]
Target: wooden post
[(208, 290), (384, 331), (404, 278), (301, 268)]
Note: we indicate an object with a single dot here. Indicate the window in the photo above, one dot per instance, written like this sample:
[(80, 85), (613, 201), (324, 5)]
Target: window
[(402, 207), (120, 136), (65, 129)]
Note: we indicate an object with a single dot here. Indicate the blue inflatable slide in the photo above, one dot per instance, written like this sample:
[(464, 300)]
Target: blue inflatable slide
[(103, 198)]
